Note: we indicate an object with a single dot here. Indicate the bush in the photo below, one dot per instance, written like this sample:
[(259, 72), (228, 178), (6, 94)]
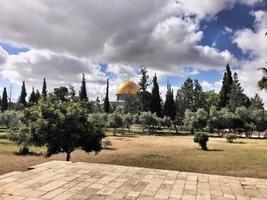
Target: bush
[(115, 120), (202, 139), (59, 126), (10, 119), (149, 120), (230, 137)]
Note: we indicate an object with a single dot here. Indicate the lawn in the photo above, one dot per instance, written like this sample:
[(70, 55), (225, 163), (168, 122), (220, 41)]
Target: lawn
[(246, 157)]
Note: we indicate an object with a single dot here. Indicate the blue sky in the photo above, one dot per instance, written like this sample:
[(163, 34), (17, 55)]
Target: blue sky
[(174, 40)]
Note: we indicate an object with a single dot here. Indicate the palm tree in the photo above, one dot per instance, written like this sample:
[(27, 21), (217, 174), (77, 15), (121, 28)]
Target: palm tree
[(262, 84)]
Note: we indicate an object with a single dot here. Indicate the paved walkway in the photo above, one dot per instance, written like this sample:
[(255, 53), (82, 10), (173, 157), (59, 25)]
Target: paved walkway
[(66, 180)]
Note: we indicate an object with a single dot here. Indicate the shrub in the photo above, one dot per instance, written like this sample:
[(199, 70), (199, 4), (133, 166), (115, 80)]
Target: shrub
[(115, 121), (230, 137), (149, 120), (10, 119), (59, 126), (202, 139)]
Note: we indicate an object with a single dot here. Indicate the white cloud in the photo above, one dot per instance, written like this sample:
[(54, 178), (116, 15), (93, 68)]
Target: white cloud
[(207, 86), (68, 37), (228, 29), (126, 32), (58, 69), (253, 42), (204, 8), (250, 2), (3, 55)]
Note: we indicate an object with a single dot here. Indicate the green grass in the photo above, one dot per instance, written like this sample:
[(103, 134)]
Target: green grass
[(8, 147)]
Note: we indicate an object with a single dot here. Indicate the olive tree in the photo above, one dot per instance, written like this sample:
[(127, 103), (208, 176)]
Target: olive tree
[(98, 119), (128, 120), (115, 121), (149, 121), (60, 126)]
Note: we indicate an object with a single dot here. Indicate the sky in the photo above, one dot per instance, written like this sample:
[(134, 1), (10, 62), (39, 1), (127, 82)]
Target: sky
[(176, 39)]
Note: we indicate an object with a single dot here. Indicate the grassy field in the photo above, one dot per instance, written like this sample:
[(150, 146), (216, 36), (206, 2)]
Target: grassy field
[(246, 157)]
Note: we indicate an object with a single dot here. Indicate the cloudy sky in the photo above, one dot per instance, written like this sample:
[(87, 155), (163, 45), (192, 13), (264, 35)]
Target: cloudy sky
[(176, 39)]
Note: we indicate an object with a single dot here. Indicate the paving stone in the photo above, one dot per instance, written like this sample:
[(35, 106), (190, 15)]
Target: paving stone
[(61, 180)]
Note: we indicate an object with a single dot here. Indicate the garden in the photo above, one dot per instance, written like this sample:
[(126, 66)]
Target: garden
[(205, 132)]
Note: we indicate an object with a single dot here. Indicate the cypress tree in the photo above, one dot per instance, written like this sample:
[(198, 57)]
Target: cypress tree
[(4, 103), (44, 90), (199, 99), (155, 105), (32, 98), (83, 93), (236, 97), (23, 94), (169, 106), (37, 95), (106, 100), (226, 88)]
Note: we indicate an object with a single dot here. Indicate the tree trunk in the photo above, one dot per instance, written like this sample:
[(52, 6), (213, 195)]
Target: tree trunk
[(68, 156), (176, 130)]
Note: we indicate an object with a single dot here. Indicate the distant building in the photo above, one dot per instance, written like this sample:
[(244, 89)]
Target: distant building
[(124, 89)]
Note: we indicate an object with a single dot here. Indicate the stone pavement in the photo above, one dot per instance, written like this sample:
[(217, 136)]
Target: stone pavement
[(65, 180)]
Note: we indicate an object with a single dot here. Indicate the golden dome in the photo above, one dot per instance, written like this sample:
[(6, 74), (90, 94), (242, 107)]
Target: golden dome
[(127, 87)]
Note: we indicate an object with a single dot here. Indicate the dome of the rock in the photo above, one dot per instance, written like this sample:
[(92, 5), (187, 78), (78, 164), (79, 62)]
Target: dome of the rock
[(127, 87)]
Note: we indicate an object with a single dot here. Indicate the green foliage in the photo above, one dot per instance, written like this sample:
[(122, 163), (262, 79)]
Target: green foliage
[(155, 105), (4, 102), (23, 94), (167, 122), (230, 137), (44, 89), (37, 95), (115, 120), (190, 119), (132, 104), (237, 97), (213, 98), (169, 106), (106, 100), (98, 119), (10, 119), (144, 95), (60, 126), (261, 125), (83, 92), (199, 98), (201, 139), (149, 121), (71, 93), (33, 98), (195, 120), (262, 84), (190, 96), (97, 106), (256, 102), (128, 120), (201, 118), (226, 88), (61, 93)]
